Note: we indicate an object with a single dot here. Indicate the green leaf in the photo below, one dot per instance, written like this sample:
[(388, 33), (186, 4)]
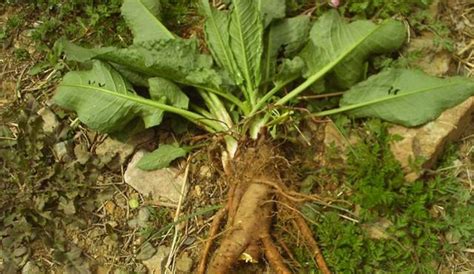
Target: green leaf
[(106, 102), (246, 32), (161, 158), (271, 10), (291, 33), (178, 60), (142, 17), (406, 97), (133, 77), (217, 37), (77, 53), (289, 71), (168, 92), (332, 39), (103, 100), (344, 48)]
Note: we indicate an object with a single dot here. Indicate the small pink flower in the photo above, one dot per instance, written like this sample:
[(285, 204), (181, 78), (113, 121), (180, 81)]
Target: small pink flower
[(334, 3)]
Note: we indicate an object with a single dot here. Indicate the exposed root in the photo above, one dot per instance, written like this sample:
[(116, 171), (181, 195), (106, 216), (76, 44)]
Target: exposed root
[(283, 245), (273, 256), (308, 236), (248, 218), (254, 188), (212, 233)]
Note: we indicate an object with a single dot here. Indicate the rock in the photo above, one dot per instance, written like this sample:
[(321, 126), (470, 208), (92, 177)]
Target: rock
[(436, 64), (164, 185), (184, 263), (146, 251), (81, 153), (428, 141), (140, 221), (422, 145), (335, 144), (101, 269), (50, 121), (112, 149), (435, 60), (155, 263), (378, 229), (205, 172), (30, 268), (62, 150), (198, 190), (24, 41), (333, 137), (109, 207)]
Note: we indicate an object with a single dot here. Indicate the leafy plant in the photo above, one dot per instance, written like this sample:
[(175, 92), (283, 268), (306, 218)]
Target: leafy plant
[(383, 9), (402, 227), (259, 63), (255, 54)]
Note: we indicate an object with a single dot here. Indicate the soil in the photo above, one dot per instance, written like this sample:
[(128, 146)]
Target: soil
[(258, 192)]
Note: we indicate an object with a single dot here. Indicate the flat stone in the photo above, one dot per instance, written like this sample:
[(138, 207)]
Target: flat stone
[(164, 185), (184, 263), (155, 263), (101, 269), (426, 143), (333, 137), (378, 230), (437, 64), (335, 144), (435, 60), (50, 121), (112, 149), (30, 268), (62, 151), (81, 153)]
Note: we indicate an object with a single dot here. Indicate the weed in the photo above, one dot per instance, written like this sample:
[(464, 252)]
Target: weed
[(21, 54), (14, 22), (180, 14), (403, 227), (383, 9), (47, 205)]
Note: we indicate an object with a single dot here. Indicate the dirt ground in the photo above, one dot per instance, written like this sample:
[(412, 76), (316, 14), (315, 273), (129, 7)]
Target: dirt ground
[(65, 209)]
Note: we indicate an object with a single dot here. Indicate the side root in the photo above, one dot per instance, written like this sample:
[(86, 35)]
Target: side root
[(308, 236), (273, 256), (218, 217)]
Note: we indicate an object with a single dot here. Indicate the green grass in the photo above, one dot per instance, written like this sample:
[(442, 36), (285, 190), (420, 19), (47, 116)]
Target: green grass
[(425, 221), (382, 8)]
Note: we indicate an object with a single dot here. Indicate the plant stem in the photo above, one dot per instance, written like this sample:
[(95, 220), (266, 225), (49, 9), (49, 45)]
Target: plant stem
[(268, 95), (321, 96), (231, 98), (201, 111), (308, 82), (218, 109)]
